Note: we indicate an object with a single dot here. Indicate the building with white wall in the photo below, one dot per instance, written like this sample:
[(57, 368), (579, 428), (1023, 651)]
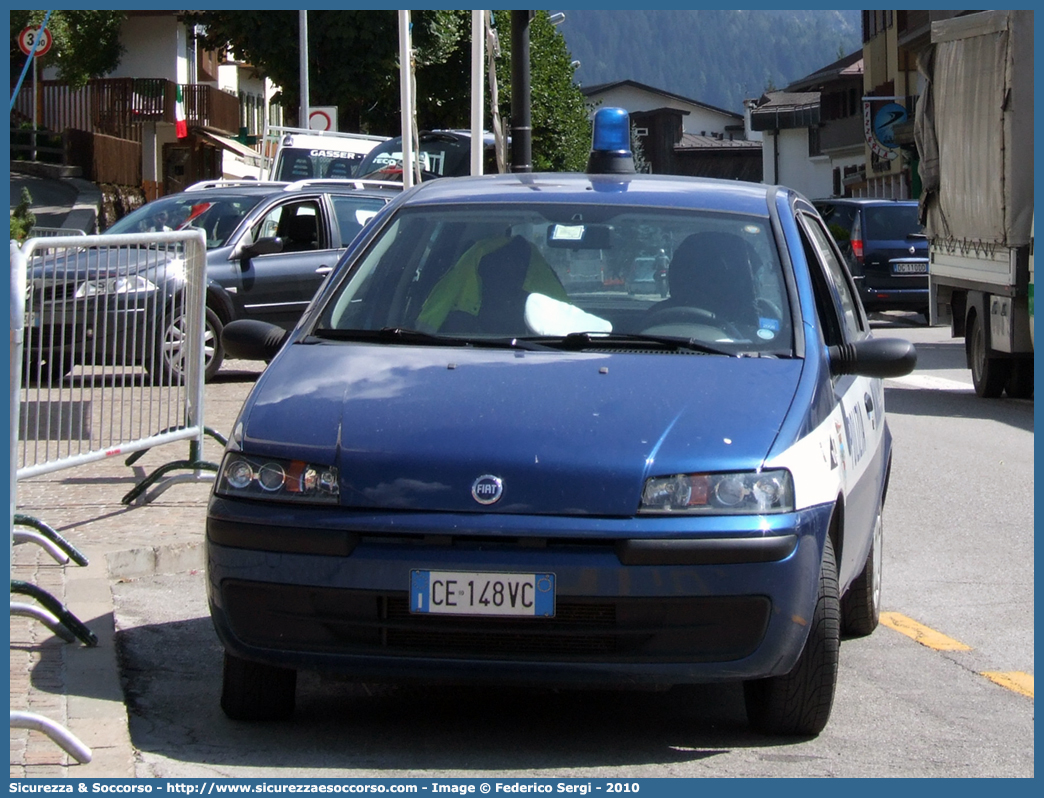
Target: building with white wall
[(699, 119)]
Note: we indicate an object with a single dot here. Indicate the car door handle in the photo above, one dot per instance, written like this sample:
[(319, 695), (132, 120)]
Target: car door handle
[(324, 270)]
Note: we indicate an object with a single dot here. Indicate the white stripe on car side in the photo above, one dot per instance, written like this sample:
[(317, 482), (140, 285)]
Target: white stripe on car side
[(836, 454)]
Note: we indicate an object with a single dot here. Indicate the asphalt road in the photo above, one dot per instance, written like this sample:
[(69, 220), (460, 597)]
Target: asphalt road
[(51, 199), (958, 558)]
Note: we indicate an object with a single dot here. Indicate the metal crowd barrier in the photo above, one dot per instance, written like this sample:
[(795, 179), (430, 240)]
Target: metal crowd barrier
[(107, 359), (41, 232), (112, 361)]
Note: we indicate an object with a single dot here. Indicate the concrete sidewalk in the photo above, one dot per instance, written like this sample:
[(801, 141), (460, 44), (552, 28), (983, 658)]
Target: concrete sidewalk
[(70, 683)]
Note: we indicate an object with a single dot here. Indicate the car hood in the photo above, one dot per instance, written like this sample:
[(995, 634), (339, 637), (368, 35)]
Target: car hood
[(93, 264), (567, 433)]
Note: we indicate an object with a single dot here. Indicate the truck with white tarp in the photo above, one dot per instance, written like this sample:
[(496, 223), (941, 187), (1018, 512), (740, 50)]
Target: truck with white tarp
[(974, 133)]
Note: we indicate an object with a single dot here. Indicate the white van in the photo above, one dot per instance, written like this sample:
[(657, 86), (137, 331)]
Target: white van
[(310, 154)]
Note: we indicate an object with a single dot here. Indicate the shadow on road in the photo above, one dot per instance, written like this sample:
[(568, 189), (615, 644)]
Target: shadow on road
[(930, 402), (172, 677)]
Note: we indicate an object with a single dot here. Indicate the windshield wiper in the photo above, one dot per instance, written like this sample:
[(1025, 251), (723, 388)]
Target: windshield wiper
[(406, 335), (399, 334), (588, 340)]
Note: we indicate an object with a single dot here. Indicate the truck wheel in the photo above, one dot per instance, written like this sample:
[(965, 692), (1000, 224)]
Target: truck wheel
[(252, 691), (799, 702), (1020, 383), (861, 604), (989, 374)]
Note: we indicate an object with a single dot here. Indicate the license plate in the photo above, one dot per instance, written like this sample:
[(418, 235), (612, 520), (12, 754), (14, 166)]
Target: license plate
[(464, 593), (910, 268)]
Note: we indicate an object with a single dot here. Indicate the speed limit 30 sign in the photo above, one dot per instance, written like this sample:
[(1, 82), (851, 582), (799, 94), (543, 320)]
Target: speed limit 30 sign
[(27, 38)]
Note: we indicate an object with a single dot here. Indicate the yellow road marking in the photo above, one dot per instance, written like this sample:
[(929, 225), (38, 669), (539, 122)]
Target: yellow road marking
[(1016, 681), (921, 633), (1021, 683)]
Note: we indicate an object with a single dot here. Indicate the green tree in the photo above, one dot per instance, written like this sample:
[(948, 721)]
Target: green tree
[(353, 57), (86, 43), (354, 65), (561, 125), (22, 219)]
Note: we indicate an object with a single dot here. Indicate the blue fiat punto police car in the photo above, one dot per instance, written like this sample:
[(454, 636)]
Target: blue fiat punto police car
[(464, 464)]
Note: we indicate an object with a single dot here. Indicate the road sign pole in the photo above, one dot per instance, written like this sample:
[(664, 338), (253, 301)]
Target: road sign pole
[(36, 104), (29, 59)]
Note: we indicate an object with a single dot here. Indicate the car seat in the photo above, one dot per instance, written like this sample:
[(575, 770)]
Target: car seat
[(300, 169), (301, 233), (712, 272), (486, 289), (339, 168)]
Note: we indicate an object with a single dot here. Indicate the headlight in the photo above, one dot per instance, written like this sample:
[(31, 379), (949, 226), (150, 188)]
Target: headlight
[(276, 479), (115, 285), (748, 493)]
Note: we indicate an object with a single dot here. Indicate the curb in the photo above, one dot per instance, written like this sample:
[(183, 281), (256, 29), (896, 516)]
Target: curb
[(52, 171), (95, 704), (86, 209), (91, 704)]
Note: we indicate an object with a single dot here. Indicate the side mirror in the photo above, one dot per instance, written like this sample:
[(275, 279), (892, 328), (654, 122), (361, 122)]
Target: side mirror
[(263, 246), (250, 339), (874, 357)]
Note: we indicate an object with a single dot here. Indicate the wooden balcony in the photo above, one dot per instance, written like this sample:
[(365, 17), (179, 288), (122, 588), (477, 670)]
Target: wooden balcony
[(119, 106)]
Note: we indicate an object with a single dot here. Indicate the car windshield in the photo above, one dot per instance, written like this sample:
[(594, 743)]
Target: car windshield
[(551, 274), (305, 163), (217, 215), (891, 222)]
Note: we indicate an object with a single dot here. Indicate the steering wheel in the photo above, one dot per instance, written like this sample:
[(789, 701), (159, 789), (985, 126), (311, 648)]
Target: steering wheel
[(678, 315), (768, 308)]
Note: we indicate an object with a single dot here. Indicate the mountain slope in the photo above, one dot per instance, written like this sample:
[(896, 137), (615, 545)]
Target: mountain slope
[(717, 57)]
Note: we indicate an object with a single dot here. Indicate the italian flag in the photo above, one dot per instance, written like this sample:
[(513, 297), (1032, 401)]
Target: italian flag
[(180, 125)]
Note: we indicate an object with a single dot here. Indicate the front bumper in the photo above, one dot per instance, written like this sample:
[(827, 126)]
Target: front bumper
[(119, 330), (638, 601)]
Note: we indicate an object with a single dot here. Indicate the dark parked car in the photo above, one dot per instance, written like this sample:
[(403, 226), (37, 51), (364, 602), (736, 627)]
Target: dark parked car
[(461, 466), (886, 250), (441, 153), (269, 248)]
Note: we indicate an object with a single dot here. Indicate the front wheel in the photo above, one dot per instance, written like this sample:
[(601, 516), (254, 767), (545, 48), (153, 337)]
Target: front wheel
[(989, 374), (253, 691), (861, 604), (171, 354), (799, 702)]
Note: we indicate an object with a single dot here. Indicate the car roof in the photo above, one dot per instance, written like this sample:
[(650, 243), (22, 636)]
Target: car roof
[(663, 191), (240, 188)]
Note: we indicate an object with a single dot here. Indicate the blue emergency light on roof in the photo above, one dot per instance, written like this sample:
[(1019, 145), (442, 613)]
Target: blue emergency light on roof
[(611, 145)]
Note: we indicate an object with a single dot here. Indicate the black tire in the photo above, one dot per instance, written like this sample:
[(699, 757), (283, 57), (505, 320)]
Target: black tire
[(989, 374), (861, 604), (252, 691), (799, 702), (169, 360), (1020, 381), (45, 373)]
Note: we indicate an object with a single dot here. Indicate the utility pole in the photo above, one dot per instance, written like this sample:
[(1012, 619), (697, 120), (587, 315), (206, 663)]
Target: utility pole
[(303, 40), (521, 116)]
